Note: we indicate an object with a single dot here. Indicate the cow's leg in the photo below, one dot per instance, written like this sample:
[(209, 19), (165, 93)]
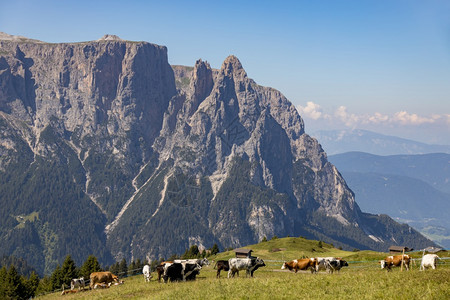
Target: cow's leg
[(229, 273)]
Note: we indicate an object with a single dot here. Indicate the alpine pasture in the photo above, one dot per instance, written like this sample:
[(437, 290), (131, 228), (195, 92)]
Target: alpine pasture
[(362, 279)]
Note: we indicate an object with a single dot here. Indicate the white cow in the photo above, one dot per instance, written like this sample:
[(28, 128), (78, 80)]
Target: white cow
[(77, 283), (146, 271), (248, 264), (429, 261)]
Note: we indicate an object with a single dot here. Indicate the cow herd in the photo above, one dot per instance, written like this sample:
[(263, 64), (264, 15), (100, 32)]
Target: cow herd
[(428, 261), (188, 269), (315, 264)]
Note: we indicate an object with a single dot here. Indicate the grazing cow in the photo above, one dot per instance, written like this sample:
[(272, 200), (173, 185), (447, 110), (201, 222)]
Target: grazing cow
[(330, 264), (77, 283), (395, 261), (201, 261), (102, 277), (301, 264), (248, 264), (181, 271), (67, 291), (221, 265), (160, 269), (146, 271), (429, 261)]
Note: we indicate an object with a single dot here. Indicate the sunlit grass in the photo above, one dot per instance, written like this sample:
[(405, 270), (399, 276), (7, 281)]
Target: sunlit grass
[(362, 281)]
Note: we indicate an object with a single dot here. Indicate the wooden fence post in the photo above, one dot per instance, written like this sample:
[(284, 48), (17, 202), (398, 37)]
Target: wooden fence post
[(403, 257)]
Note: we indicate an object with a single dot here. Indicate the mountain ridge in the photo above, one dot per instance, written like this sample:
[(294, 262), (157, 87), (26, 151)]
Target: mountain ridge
[(413, 189), (106, 135)]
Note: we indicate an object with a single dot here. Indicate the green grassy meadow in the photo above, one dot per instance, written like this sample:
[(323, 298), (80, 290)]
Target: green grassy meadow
[(363, 279)]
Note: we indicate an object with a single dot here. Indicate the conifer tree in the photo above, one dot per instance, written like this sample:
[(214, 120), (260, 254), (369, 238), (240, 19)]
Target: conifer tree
[(90, 265), (114, 268), (131, 268), (68, 270), (31, 284), (14, 289), (214, 249), (123, 268), (3, 273), (139, 265), (56, 278)]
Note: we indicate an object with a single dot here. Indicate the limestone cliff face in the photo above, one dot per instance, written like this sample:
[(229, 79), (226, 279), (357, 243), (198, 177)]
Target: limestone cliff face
[(106, 87), (162, 157)]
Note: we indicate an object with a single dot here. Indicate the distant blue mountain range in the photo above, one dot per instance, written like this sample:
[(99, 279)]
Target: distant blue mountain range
[(341, 141), (413, 189)]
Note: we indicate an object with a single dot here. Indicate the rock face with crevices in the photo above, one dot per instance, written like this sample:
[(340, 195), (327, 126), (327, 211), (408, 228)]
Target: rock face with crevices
[(108, 150)]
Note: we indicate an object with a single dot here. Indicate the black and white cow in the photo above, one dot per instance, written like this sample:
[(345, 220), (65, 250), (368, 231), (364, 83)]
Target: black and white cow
[(330, 264), (181, 271), (222, 265), (248, 264), (201, 261), (77, 283)]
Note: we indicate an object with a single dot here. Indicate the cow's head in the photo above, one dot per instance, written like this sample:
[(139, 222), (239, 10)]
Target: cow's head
[(343, 263), (284, 266), (259, 262), (204, 261), (115, 278), (382, 263)]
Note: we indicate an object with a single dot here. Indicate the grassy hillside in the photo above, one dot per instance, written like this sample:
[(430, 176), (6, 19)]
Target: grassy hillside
[(362, 277), (291, 248)]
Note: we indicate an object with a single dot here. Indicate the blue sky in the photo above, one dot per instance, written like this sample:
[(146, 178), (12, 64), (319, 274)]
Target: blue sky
[(380, 65)]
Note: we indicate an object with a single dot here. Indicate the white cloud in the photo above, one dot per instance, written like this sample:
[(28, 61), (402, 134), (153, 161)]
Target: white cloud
[(311, 110), (348, 119), (315, 112), (406, 118), (377, 118)]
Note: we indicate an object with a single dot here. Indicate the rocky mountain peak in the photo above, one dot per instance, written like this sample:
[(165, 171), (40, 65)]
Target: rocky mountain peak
[(110, 37), (232, 66), (202, 81)]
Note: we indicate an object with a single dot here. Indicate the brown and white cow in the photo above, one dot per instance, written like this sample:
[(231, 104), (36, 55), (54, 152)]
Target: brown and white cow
[(102, 277), (301, 264), (395, 261)]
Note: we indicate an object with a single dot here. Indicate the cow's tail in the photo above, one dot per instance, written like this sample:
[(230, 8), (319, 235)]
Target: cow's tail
[(215, 264)]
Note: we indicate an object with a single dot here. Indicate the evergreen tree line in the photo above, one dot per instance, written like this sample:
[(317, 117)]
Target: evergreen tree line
[(122, 269), (16, 286)]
